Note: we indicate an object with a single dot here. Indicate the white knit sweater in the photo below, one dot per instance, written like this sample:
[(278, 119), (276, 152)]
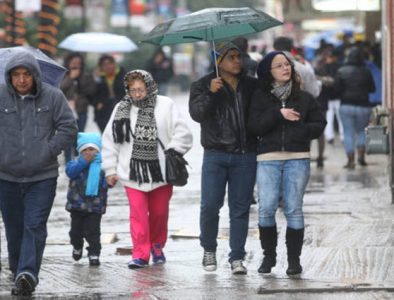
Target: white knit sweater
[(172, 131)]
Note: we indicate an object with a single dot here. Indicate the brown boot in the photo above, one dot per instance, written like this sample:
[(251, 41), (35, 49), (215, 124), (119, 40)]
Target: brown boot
[(361, 156), (350, 162)]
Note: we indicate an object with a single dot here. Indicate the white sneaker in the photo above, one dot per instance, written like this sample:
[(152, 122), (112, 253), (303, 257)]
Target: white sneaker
[(237, 267)]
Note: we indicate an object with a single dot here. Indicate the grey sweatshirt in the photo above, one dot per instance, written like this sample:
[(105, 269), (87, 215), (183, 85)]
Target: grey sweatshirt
[(34, 129)]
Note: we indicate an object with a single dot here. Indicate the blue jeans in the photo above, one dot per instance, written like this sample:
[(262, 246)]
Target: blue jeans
[(238, 171), (25, 209), (286, 178), (354, 119)]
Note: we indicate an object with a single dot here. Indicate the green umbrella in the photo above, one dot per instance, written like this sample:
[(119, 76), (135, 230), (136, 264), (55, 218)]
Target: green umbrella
[(211, 24)]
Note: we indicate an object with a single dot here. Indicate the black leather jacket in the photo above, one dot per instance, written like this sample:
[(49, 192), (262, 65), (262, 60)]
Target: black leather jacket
[(274, 132), (223, 115)]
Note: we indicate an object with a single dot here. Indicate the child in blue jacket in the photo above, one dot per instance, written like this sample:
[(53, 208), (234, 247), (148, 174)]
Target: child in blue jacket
[(86, 197)]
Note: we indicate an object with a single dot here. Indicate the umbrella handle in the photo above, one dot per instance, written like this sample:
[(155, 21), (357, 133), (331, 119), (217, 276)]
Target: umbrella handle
[(214, 56)]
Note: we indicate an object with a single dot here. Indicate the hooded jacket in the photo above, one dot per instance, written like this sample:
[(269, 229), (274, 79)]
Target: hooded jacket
[(34, 129)]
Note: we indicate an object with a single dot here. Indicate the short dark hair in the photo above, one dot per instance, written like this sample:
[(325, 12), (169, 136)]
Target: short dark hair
[(106, 57), (283, 43)]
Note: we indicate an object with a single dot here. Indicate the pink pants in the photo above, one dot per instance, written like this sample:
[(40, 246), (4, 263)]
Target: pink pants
[(148, 219)]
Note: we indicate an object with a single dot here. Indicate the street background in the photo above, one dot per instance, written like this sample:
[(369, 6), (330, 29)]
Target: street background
[(348, 249)]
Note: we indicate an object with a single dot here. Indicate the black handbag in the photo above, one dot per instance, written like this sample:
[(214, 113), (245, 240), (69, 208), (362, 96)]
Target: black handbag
[(176, 172)]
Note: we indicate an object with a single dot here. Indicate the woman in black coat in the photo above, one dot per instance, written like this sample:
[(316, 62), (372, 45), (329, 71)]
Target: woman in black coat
[(285, 120), (353, 83)]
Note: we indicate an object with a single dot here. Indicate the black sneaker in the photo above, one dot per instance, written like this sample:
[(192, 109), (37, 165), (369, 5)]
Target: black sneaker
[(94, 260), (77, 254), (24, 285)]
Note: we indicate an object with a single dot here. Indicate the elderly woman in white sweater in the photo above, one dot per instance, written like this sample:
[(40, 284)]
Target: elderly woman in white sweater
[(131, 154)]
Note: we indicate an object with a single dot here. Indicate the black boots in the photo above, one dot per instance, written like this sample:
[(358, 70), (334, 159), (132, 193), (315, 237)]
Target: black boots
[(294, 241), (350, 162), (361, 156), (268, 240)]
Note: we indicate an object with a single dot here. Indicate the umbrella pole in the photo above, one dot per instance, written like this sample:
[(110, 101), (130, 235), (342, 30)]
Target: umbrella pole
[(214, 56)]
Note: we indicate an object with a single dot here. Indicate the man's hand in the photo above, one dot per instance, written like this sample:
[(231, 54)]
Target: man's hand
[(112, 180), (216, 84), (290, 114)]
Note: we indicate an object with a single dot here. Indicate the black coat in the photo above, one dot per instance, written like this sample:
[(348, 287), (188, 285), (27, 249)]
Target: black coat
[(223, 115), (103, 96), (274, 132), (353, 81)]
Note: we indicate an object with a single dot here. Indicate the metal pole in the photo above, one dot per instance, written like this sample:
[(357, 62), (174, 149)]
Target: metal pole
[(387, 48), (214, 58), (13, 24), (83, 15)]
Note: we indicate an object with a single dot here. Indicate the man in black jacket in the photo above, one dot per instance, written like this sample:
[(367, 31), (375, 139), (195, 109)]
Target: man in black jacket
[(221, 105)]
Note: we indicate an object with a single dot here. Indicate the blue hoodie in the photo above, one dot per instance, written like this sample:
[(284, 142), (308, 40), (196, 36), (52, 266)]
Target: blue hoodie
[(34, 129)]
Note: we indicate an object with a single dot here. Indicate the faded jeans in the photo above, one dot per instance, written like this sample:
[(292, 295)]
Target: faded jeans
[(354, 119), (238, 173), (282, 177)]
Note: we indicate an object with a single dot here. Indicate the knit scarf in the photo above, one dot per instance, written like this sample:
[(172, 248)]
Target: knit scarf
[(144, 161), (282, 92), (93, 181)]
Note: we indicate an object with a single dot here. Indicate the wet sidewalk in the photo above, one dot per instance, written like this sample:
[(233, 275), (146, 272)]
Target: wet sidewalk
[(348, 250)]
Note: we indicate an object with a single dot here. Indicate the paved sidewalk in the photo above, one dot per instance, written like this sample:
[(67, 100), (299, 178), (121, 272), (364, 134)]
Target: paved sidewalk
[(348, 251)]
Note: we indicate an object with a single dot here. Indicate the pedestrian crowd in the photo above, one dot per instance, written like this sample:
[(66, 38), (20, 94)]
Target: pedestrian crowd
[(257, 121)]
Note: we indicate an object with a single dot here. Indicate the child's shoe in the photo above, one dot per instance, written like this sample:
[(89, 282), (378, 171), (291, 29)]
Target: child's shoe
[(157, 254), (94, 260), (137, 263), (77, 254)]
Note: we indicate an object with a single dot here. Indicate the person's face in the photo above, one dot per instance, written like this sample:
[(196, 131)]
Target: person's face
[(108, 67), (281, 69), (75, 63), (89, 153), (231, 63), (137, 90), (22, 80)]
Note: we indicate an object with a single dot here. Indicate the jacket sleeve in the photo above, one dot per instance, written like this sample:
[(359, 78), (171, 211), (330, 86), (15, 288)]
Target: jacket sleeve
[(309, 82), (315, 120), (110, 150), (65, 125), (74, 167), (181, 138), (263, 117), (201, 102)]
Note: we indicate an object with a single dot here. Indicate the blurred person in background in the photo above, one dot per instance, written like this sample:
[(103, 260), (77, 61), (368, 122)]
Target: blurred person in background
[(79, 88), (353, 83), (109, 89), (160, 66), (285, 119), (249, 64), (328, 100)]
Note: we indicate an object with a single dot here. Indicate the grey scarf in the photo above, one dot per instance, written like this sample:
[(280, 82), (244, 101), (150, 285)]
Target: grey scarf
[(282, 92), (144, 157)]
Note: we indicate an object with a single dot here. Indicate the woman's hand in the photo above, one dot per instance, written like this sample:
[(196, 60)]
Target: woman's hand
[(290, 114), (112, 180)]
